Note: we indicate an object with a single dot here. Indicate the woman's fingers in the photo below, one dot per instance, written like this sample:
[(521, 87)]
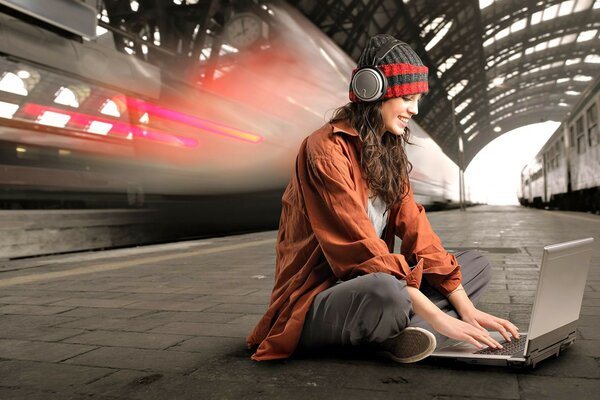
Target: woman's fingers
[(473, 342), (504, 327), (500, 328), (514, 331), (490, 341), (482, 336)]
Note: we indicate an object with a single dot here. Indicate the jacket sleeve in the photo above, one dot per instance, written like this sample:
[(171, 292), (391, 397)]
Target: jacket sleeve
[(420, 244), (342, 226)]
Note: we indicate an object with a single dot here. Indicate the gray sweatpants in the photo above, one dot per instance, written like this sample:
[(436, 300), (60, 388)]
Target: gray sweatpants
[(375, 307)]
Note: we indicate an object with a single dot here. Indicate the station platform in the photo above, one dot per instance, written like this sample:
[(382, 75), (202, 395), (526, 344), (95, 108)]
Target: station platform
[(169, 322)]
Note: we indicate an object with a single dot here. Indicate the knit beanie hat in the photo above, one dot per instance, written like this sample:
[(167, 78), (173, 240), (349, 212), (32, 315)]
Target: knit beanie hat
[(405, 72)]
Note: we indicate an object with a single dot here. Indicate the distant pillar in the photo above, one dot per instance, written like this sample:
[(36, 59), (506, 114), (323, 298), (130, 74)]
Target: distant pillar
[(461, 162), (461, 173)]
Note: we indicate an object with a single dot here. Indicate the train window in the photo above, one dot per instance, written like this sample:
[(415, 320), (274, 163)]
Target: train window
[(592, 123), (580, 135)]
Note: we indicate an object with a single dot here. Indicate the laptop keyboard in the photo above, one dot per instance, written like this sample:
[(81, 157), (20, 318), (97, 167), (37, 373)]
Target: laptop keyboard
[(508, 348)]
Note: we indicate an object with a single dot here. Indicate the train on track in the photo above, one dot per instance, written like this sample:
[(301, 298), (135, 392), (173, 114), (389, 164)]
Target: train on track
[(90, 124), (565, 173)]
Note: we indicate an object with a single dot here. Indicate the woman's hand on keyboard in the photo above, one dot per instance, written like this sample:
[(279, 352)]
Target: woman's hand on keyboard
[(456, 329), (485, 321)]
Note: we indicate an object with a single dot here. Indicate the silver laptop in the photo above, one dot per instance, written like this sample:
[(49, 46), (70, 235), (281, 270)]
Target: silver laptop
[(563, 275)]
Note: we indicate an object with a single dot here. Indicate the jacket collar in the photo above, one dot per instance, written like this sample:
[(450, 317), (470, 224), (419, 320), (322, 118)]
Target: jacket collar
[(344, 127)]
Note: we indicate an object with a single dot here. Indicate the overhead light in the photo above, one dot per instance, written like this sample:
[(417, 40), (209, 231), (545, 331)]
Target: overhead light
[(23, 74), (497, 129)]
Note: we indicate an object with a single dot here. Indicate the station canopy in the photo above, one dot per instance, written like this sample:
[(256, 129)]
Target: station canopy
[(495, 65)]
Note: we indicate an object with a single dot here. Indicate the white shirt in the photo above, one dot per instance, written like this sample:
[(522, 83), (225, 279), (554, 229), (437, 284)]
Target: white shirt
[(377, 214)]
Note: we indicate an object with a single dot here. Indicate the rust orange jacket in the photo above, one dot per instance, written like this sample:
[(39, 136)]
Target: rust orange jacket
[(325, 235)]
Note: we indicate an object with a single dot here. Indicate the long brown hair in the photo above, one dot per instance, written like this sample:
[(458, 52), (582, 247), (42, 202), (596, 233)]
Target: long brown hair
[(383, 157)]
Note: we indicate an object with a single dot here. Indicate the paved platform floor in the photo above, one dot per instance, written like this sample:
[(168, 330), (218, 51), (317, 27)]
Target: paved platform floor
[(169, 321)]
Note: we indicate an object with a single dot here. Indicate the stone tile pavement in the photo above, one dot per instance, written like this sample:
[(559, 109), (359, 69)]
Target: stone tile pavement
[(168, 322)]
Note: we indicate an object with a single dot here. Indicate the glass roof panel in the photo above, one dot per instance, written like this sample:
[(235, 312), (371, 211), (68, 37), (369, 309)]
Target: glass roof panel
[(554, 42), (592, 58), (462, 106), (536, 18), (432, 25), (566, 8), (448, 63), (583, 5), (550, 12), (467, 118), (457, 88), (502, 34), (568, 38), (439, 36), (518, 25), (515, 56), (587, 35), (484, 3)]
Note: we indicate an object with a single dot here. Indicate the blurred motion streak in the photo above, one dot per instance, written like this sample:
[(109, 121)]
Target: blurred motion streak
[(83, 121), (203, 124)]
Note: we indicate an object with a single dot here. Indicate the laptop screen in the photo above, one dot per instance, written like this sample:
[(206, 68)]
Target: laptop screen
[(562, 281)]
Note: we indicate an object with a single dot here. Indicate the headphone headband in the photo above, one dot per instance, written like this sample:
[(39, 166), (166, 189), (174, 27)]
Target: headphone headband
[(384, 50)]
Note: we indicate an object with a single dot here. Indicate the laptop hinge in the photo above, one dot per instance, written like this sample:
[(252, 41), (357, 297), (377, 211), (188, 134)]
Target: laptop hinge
[(550, 344)]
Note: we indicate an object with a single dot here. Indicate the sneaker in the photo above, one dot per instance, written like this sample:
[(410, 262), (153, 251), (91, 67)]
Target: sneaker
[(411, 345)]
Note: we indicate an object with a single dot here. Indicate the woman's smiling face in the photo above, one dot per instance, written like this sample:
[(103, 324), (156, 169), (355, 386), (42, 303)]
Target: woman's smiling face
[(398, 111)]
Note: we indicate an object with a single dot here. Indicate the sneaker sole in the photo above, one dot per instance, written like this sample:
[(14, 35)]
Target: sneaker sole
[(412, 339)]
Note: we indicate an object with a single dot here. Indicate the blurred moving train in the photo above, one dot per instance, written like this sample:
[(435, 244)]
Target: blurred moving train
[(565, 174), (83, 124)]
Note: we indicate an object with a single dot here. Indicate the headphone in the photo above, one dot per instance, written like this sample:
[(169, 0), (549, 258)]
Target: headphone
[(368, 83)]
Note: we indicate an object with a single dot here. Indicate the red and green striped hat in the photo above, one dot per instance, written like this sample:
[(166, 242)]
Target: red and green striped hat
[(405, 72)]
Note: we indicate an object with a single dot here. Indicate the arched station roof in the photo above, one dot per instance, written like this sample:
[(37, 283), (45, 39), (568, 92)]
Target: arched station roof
[(499, 64)]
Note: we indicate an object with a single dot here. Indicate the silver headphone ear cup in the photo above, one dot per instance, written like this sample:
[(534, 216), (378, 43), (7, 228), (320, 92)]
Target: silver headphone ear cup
[(369, 84)]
